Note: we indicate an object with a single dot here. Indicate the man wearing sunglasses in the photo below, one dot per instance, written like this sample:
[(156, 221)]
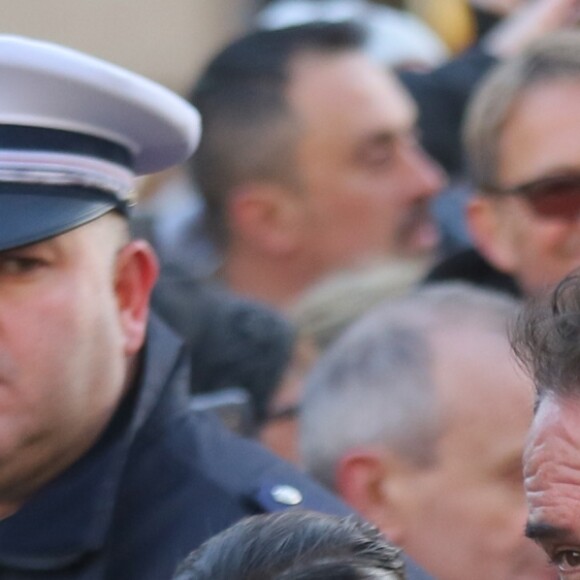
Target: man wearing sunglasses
[(523, 144)]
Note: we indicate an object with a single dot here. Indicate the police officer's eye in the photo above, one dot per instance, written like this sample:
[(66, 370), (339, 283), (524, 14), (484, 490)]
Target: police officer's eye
[(13, 265)]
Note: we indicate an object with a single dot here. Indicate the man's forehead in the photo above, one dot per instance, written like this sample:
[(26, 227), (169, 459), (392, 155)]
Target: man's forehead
[(554, 437), (486, 399), (346, 81), (556, 411), (532, 145), (103, 232), (552, 471)]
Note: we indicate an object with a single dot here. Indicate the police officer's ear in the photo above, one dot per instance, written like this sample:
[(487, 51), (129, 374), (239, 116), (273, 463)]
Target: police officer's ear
[(372, 481), (488, 218), (264, 216), (136, 271)]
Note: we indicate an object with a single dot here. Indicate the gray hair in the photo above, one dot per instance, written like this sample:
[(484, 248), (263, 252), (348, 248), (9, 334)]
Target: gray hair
[(555, 57), (328, 308), (374, 386)]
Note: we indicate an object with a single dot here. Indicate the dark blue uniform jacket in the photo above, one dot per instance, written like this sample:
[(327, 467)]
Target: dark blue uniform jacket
[(160, 481)]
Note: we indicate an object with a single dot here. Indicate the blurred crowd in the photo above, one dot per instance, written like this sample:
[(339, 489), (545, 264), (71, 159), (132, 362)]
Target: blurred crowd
[(384, 199)]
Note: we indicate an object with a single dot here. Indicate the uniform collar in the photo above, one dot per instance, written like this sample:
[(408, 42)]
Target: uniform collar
[(70, 517)]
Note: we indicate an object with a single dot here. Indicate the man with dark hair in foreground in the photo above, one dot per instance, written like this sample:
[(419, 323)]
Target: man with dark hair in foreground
[(547, 341), (295, 546)]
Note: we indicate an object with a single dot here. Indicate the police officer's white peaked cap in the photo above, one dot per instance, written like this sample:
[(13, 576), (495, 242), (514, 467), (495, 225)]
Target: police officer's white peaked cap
[(71, 123)]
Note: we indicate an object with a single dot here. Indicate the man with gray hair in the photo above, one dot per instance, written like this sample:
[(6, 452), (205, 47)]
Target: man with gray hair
[(417, 418)]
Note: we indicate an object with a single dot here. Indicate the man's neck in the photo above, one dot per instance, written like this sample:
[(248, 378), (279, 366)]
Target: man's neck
[(278, 284)]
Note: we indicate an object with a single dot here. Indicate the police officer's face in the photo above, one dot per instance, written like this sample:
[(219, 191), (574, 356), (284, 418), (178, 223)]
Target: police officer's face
[(365, 181), (72, 314)]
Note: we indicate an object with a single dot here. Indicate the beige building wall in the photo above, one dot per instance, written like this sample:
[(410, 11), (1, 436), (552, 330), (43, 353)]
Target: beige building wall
[(167, 40)]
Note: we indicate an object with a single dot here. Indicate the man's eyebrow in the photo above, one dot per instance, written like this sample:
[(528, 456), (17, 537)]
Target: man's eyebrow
[(380, 138), (541, 532), (372, 141)]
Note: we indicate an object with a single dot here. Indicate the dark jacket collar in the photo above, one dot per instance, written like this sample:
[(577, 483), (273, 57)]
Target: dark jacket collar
[(70, 517), (470, 266)]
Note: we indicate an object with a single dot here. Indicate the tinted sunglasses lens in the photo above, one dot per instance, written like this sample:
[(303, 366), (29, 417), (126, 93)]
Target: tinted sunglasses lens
[(556, 199)]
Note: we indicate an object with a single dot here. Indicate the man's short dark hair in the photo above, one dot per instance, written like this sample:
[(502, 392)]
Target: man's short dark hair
[(294, 545), (248, 129), (546, 339)]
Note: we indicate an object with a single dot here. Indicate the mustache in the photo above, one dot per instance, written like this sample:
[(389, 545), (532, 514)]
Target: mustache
[(419, 214)]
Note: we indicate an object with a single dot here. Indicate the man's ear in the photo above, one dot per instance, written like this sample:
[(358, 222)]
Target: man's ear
[(369, 480), (136, 272), (264, 215), (492, 236)]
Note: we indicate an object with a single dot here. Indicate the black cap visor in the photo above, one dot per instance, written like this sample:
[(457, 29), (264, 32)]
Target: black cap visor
[(32, 213)]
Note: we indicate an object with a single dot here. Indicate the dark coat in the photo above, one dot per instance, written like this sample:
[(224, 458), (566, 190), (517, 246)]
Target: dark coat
[(160, 481), (442, 96), (232, 341), (470, 266)]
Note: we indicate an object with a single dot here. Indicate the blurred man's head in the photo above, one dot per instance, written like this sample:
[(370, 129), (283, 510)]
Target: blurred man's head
[(295, 545), (309, 162), (417, 417), (547, 340), (522, 138)]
